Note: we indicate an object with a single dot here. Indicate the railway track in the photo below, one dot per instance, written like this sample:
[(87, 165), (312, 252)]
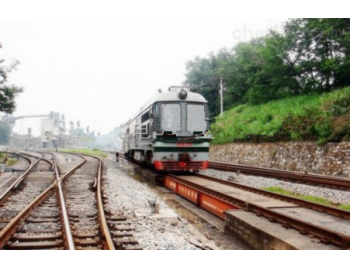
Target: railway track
[(331, 225), (82, 210), (9, 180), (116, 230), (218, 196), (27, 192), (337, 212), (329, 181), (20, 192), (68, 214)]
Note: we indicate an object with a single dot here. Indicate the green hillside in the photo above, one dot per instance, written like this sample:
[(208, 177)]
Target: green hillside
[(322, 118)]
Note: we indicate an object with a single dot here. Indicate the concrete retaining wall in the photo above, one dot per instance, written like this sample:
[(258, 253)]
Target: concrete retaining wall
[(331, 159)]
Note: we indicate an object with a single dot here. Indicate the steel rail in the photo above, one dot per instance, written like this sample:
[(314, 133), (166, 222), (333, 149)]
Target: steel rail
[(19, 180), (52, 163), (310, 178), (35, 163), (307, 204), (44, 159), (64, 214), (10, 228), (102, 217), (325, 235)]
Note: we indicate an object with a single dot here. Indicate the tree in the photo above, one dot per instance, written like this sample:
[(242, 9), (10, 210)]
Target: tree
[(311, 56), (274, 75), (202, 76), (321, 49), (7, 92), (246, 63)]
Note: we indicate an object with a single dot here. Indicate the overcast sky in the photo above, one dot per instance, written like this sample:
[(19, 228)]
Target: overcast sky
[(101, 71)]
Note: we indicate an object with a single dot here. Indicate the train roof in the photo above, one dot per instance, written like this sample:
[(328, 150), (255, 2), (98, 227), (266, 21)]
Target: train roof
[(172, 95)]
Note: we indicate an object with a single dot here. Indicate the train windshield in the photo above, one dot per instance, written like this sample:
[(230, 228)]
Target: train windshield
[(196, 114), (171, 117)]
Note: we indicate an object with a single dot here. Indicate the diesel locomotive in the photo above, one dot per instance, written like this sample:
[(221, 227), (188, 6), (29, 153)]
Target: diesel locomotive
[(171, 132)]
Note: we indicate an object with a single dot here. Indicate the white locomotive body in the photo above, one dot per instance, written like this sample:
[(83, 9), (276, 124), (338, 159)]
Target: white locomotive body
[(171, 132)]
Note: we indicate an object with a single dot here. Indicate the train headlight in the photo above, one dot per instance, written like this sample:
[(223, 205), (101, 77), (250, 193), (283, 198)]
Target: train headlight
[(182, 94)]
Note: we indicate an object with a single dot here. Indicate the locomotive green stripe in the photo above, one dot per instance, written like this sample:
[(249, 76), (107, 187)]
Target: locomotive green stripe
[(179, 139), (181, 149)]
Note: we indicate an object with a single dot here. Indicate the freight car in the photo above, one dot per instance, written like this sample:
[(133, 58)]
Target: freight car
[(171, 132)]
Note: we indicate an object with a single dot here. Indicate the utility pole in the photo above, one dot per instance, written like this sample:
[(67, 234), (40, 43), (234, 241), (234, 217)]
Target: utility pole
[(221, 97)]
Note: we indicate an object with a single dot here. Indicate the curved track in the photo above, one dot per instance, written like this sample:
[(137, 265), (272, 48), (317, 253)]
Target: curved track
[(21, 191), (15, 184), (20, 203), (82, 210), (39, 225), (67, 213)]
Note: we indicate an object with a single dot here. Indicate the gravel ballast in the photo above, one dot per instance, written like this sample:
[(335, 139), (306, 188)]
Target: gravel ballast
[(127, 196)]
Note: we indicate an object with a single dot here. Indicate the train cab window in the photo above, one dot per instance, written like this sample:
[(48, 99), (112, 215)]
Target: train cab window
[(170, 117), (196, 117)]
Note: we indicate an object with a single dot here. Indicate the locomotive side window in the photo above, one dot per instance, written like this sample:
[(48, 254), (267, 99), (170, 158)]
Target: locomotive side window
[(144, 131), (171, 117), (196, 117), (145, 117)]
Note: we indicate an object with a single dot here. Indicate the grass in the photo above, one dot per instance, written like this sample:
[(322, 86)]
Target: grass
[(345, 207), (320, 118), (11, 161), (93, 152), (314, 199)]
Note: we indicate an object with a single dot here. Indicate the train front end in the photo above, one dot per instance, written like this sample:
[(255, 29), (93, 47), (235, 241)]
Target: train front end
[(181, 137)]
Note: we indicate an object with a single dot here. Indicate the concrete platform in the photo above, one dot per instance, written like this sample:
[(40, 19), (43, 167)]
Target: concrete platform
[(261, 234), (330, 222), (164, 214), (240, 194)]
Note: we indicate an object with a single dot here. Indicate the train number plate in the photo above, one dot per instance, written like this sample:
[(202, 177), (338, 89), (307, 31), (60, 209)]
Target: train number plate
[(184, 144)]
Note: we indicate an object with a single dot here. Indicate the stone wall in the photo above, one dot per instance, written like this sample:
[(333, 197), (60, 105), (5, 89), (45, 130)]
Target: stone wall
[(331, 159)]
